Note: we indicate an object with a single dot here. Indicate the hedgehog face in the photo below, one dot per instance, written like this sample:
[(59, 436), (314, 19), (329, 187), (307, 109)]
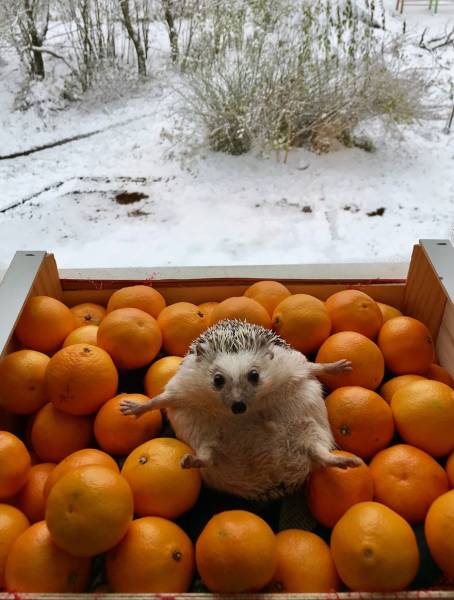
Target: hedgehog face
[(239, 380)]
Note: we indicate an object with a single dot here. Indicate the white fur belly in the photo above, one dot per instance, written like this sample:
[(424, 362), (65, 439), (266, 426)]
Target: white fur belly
[(253, 460)]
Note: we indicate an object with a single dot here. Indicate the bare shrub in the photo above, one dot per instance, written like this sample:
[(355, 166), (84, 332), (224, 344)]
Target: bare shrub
[(276, 79), (91, 39), (102, 35), (201, 29)]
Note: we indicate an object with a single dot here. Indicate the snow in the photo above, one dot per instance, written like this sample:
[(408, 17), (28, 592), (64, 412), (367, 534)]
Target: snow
[(210, 208)]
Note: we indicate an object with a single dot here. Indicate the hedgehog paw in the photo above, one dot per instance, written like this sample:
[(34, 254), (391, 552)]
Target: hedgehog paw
[(129, 407), (346, 462), (340, 366)]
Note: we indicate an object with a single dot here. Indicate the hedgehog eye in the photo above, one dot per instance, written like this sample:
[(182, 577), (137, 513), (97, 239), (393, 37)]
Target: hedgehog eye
[(218, 381), (253, 376)]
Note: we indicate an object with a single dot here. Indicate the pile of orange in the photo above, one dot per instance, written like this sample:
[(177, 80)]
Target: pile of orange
[(79, 479)]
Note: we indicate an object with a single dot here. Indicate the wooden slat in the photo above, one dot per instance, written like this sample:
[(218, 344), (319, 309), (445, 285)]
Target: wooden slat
[(410, 595), (328, 271), (445, 341), (425, 297), (440, 254), (197, 293), (47, 282)]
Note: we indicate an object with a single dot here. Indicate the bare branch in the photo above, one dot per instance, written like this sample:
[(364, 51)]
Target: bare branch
[(55, 55), (446, 40)]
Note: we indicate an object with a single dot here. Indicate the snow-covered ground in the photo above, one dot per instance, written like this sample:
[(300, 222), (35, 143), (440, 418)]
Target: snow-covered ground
[(215, 209)]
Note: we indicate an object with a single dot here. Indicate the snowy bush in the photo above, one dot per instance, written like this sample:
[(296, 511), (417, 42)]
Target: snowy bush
[(275, 74)]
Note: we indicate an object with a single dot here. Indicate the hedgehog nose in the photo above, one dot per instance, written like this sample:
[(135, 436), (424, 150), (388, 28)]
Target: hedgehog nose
[(238, 408)]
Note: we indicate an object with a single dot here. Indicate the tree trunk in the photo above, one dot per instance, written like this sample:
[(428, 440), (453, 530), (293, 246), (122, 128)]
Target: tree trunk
[(37, 62), (173, 35), (141, 59)]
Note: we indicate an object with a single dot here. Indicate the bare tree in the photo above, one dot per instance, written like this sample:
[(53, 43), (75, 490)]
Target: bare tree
[(135, 18), (168, 8), (24, 24)]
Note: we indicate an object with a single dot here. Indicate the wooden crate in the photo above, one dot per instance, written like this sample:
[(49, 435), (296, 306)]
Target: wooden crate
[(426, 292)]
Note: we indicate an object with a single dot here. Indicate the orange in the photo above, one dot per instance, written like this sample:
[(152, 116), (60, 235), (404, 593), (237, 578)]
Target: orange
[(207, 309), (374, 549), (407, 346), (388, 311), (361, 421), (439, 530), (155, 556), (87, 456), (22, 387), (268, 293), (12, 523), (304, 564), (131, 336), (331, 491), (160, 373), (31, 499), (243, 309), (37, 565), (55, 434), (352, 310), (302, 321), (15, 464), (142, 297), (424, 416), (88, 313), (89, 510), (160, 486), (407, 480), (80, 378), (88, 334), (439, 374), (236, 552), (181, 323), (389, 388), (120, 434), (450, 469), (368, 366), (44, 324)]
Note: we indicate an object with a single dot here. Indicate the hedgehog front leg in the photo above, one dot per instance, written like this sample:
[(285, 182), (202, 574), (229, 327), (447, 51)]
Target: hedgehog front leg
[(336, 367), (322, 457), (318, 443), (130, 407)]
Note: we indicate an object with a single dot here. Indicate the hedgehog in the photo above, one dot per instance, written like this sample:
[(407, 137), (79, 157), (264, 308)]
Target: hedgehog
[(251, 409)]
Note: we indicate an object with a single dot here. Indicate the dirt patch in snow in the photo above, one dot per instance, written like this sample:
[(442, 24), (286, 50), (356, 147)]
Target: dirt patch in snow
[(129, 197)]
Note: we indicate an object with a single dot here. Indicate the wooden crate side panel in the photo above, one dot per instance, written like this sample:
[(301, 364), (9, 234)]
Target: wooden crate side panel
[(30, 274), (407, 595), (445, 340), (15, 288), (47, 282), (198, 292), (425, 297)]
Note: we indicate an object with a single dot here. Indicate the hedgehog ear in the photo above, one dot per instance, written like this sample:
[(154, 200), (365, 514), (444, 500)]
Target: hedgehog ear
[(201, 350), (270, 354)]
